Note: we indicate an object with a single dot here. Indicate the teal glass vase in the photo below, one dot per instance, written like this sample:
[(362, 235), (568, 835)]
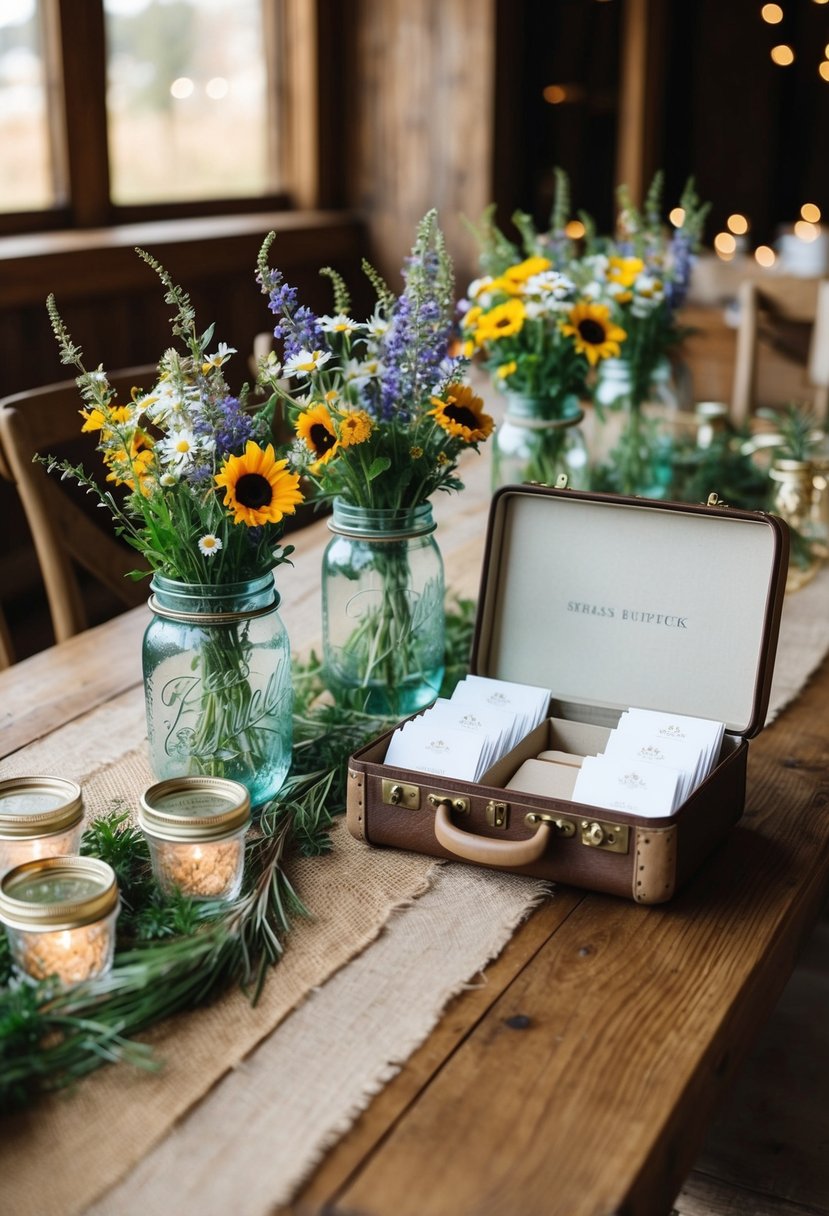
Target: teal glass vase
[(540, 438), (217, 683), (383, 608), (640, 460)]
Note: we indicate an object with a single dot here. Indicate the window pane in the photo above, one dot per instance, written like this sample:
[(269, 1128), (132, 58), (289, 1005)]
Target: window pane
[(25, 153), (187, 99)]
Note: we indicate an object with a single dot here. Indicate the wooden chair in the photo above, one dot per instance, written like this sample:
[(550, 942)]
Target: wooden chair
[(65, 536), (789, 316)]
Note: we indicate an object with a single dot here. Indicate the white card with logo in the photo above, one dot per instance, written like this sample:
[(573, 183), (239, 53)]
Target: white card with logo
[(616, 785), (432, 747)]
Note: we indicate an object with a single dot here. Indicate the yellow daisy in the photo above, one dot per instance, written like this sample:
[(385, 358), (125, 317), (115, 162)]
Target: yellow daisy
[(624, 271), (593, 332), (315, 427), (502, 321), (526, 269), (258, 489), (355, 428), (125, 468), (97, 420), (462, 414)]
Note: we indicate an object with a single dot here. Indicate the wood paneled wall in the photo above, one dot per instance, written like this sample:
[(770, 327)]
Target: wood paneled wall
[(420, 114)]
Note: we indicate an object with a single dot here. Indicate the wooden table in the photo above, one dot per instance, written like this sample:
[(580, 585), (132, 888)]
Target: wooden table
[(581, 1076)]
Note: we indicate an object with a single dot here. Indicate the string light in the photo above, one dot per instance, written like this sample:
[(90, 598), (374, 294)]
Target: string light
[(811, 213), (725, 245), (824, 69), (677, 216), (782, 55), (772, 13), (574, 229), (765, 255), (737, 223), (555, 94), (806, 231)]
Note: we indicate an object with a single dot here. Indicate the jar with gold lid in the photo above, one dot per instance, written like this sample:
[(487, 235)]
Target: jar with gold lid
[(195, 828), (39, 817), (60, 915)]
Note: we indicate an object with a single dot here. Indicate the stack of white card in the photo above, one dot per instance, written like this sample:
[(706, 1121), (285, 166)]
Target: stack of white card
[(653, 761), (464, 736)]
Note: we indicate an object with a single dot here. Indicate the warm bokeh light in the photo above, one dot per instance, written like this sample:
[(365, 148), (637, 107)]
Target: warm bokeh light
[(810, 212), (725, 244), (806, 231), (772, 13), (782, 55), (217, 88), (677, 216), (737, 223), (555, 94), (574, 229), (765, 255), (823, 68), (182, 87)]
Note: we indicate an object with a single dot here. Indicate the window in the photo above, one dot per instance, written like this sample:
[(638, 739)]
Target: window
[(121, 110), (25, 151), (187, 91)]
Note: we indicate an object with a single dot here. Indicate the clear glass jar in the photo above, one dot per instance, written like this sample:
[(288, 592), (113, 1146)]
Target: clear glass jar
[(539, 439), (217, 682), (39, 817), (383, 607), (195, 828), (60, 917), (640, 460)]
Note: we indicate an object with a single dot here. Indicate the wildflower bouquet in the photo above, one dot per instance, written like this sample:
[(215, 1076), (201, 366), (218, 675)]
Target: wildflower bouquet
[(642, 275), (540, 334), (382, 415), (203, 499), (527, 317)]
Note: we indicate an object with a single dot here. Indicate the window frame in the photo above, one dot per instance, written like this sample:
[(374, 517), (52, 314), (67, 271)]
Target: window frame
[(300, 119)]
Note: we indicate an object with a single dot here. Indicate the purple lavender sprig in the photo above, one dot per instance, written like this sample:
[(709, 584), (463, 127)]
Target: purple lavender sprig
[(417, 340)]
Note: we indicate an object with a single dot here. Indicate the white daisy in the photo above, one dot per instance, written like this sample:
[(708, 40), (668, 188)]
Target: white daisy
[(209, 545), (305, 363), (178, 448), (377, 326), (340, 324), (219, 359), (478, 286), (167, 480)]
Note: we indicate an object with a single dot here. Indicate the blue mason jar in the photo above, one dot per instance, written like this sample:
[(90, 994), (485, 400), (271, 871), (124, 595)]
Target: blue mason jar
[(383, 608), (217, 683)]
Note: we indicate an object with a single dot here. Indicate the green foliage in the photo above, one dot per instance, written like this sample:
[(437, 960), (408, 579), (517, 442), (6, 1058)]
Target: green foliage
[(174, 953)]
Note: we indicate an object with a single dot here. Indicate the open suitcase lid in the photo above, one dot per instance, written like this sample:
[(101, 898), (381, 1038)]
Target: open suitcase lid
[(619, 602)]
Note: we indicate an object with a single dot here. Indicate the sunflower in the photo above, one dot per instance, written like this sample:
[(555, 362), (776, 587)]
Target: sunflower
[(462, 414), (355, 427), (258, 489), (315, 427), (502, 321), (593, 332)]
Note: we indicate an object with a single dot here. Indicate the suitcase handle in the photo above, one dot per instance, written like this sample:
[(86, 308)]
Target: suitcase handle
[(486, 851)]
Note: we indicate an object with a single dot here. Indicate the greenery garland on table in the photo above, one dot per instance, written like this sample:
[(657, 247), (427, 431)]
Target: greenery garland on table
[(174, 953)]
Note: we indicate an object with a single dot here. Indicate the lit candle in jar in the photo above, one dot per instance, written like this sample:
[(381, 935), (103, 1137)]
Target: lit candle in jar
[(60, 916), (39, 817), (195, 829)]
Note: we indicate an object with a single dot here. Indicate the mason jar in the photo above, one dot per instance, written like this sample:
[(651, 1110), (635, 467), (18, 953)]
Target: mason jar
[(639, 457), (60, 915), (195, 830), (39, 817), (217, 683), (540, 438), (383, 607)]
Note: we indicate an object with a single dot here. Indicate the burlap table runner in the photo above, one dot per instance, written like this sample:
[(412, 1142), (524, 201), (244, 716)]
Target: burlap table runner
[(277, 1111)]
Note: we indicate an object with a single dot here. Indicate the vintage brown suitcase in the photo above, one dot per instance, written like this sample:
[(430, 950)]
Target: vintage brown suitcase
[(610, 602)]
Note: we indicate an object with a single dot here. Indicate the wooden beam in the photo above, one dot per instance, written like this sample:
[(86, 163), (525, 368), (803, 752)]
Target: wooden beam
[(83, 50), (640, 92)]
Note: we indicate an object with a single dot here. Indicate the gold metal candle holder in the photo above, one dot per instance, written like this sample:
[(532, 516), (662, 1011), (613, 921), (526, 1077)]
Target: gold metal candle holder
[(60, 917), (39, 817), (195, 829)]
